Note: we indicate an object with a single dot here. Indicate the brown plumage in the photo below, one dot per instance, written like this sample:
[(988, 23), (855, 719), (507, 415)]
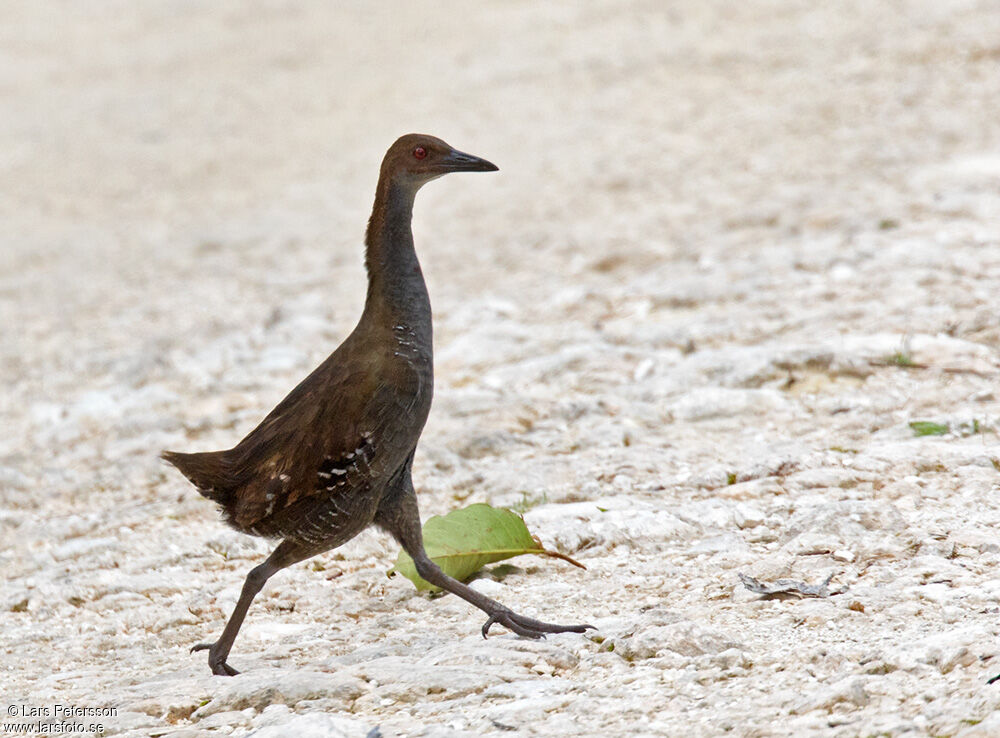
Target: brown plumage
[(335, 455), (316, 444)]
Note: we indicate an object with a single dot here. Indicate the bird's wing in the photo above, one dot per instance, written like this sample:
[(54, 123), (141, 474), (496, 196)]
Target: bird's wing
[(336, 434), (311, 443)]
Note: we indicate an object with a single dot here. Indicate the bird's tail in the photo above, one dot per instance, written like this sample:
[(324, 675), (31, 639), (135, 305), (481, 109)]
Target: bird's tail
[(209, 471)]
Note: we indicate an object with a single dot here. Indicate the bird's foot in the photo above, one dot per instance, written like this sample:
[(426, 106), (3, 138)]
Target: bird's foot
[(216, 660), (528, 627)]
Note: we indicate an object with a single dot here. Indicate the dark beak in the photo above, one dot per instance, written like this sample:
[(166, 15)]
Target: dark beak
[(457, 161)]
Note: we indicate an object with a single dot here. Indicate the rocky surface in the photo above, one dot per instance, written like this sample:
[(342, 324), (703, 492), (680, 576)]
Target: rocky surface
[(733, 252)]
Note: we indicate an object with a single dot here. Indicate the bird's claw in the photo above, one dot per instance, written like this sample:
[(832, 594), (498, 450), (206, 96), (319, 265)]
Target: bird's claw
[(216, 662), (528, 627), (487, 625)]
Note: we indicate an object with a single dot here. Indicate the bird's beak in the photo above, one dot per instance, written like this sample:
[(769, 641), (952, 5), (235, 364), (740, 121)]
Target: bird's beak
[(457, 161)]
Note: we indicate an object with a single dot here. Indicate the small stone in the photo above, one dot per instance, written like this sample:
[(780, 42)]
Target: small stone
[(643, 370), (938, 592), (951, 614), (227, 718), (850, 690), (960, 656), (488, 587), (260, 689), (176, 712), (730, 659), (747, 516)]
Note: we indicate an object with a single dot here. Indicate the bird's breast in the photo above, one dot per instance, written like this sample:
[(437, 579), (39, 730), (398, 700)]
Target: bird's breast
[(408, 345), (413, 365)]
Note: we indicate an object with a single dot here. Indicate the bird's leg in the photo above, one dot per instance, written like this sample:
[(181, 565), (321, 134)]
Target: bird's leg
[(498, 613), (286, 554), (399, 516)]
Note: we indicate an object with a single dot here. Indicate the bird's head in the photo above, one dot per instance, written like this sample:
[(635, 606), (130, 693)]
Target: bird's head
[(415, 159)]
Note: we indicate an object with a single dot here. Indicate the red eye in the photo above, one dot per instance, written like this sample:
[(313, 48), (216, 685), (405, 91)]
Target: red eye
[(420, 152)]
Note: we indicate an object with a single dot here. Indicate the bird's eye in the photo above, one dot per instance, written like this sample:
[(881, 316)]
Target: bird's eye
[(420, 152)]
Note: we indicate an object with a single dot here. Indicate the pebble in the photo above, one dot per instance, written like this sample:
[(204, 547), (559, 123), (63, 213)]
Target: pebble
[(260, 689), (849, 690)]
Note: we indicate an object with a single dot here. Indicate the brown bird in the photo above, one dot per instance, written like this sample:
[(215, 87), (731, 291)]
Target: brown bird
[(335, 455)]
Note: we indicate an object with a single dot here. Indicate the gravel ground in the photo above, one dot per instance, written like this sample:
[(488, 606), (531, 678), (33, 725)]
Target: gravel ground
[(733, 252)]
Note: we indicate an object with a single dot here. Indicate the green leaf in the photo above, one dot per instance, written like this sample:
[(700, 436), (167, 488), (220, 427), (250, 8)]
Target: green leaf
[(464, 541), (927, 428)]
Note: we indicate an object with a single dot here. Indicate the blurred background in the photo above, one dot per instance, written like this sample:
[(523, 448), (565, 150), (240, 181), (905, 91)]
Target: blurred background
[(725, 239)]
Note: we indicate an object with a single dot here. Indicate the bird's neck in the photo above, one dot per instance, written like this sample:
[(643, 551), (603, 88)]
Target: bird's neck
[(396, 288)]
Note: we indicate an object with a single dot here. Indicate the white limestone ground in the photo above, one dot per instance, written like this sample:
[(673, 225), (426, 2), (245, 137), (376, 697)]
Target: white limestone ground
[(667, 327)]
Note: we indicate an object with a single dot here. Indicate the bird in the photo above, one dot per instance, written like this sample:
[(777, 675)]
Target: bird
[(336, 455)]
